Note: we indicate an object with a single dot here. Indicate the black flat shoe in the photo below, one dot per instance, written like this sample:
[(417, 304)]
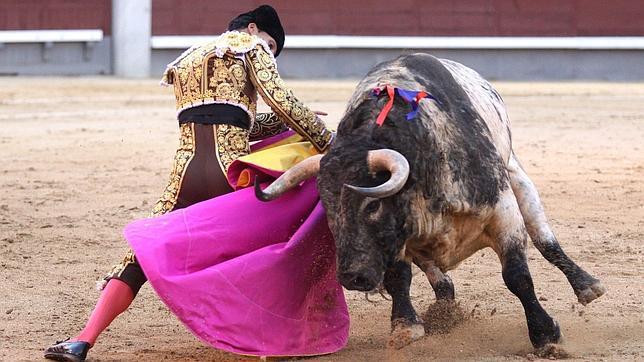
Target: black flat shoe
[(68, 351)]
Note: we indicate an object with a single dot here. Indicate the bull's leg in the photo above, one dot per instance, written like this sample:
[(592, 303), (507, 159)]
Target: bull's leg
[(440, 282), (541, 327), (406, 326), (510, 241), (586, 287)]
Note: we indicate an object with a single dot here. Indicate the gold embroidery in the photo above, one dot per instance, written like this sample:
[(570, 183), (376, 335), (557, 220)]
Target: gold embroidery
[(230, 144), (236, 42), (263, 73), (183, 156), (214, 73), (266, 125)]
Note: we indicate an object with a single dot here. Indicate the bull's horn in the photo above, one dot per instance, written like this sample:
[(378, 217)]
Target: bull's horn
[(392, 161), (289, 179)]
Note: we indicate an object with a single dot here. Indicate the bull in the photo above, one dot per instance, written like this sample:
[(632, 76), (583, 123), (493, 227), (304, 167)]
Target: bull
[(432, 191)]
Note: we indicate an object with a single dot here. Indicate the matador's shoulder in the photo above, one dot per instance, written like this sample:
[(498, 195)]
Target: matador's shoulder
[(231, 43), (237, 43)]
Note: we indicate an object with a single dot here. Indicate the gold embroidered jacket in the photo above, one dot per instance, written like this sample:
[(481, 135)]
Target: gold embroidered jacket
[(232, 69)]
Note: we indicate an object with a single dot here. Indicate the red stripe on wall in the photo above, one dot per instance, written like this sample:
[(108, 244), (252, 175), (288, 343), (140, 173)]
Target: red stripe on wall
[(55, 14), (351, 17), (413, 17)]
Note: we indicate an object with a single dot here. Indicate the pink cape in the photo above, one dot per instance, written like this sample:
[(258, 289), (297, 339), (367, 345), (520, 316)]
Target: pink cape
[(246, 276)]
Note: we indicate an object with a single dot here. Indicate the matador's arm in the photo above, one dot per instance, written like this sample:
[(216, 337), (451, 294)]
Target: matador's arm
[(264, 76)]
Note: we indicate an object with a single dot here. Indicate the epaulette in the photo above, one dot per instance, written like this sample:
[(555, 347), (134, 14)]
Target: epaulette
[(234, 43), (238, 43)]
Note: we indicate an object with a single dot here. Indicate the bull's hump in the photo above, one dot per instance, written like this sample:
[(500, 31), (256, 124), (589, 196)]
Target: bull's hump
[(420, 71), (473, 164), (471, 169)]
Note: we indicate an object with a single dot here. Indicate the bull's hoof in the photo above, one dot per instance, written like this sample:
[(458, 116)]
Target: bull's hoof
[(547, 334), (404, 333), (591, 293), (552, 351)]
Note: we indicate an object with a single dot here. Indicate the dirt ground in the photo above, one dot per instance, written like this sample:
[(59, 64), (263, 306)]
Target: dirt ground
[(81, 157)]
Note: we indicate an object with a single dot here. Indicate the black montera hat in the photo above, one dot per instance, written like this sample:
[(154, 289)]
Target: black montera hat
[(266, 19)]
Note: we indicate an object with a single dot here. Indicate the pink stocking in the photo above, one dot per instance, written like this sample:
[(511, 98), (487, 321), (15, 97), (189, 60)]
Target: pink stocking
[(114, 300)]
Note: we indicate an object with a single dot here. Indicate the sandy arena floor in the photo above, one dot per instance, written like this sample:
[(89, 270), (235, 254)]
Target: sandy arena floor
[(83, 156)]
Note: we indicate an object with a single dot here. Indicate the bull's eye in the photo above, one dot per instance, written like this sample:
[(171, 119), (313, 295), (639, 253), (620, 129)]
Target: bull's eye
[(372, 207)]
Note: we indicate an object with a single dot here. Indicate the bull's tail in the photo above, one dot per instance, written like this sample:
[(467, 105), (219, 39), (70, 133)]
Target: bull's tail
[(586, 287)]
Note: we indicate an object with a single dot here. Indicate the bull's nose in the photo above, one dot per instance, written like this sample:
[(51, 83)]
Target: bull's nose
[(362, 280)]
